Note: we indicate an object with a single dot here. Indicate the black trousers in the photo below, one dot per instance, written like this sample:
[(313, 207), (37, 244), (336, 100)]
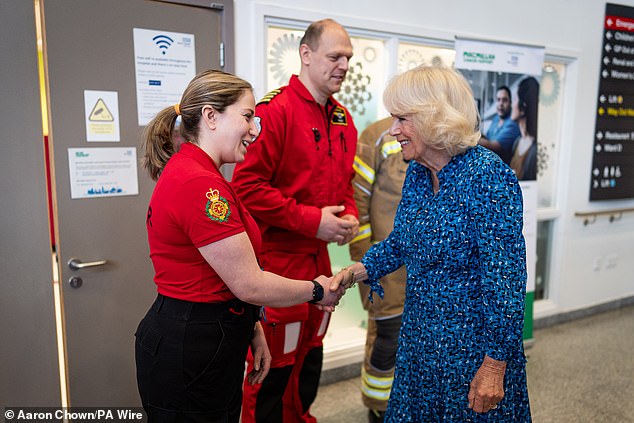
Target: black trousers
[(190, 359)]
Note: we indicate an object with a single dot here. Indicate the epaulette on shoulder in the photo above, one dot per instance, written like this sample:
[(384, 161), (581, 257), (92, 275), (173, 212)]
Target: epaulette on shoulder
[(269, 96)]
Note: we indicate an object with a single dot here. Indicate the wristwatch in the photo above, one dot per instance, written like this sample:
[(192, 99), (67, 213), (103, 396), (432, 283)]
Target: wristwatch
[(318, 292)]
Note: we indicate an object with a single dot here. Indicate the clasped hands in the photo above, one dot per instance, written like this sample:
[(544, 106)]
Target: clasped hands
[(337, 229), (332, 293), (335, 287)]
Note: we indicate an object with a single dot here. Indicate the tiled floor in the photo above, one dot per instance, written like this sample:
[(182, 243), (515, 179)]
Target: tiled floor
[(578, 372)]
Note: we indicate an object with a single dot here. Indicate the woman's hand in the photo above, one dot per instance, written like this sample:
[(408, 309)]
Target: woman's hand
[(331, 298), (261, 356), (348, 276), (343, 279), (487, 387)]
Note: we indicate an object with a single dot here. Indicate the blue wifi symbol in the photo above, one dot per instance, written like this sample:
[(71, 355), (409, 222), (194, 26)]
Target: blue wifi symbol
[(163, 42)]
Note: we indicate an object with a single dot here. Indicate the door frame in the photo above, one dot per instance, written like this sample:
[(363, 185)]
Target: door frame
[(225, 8), (29, 373)]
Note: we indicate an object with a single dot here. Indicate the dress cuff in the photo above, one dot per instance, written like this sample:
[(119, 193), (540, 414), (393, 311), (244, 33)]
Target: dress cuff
[(373, 282)]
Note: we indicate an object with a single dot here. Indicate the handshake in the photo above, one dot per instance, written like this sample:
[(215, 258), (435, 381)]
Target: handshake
[(335, 286)]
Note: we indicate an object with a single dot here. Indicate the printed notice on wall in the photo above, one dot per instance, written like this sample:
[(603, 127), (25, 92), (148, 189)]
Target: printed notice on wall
[(612, 175), (102, 172), (102, 116), (499, 56), (489, 65), (164, 63)]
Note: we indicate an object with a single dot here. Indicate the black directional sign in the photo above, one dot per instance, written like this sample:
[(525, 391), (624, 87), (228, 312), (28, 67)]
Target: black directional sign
[(613, 159)]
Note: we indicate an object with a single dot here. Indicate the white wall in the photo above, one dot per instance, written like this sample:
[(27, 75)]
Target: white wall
[(591, 264)]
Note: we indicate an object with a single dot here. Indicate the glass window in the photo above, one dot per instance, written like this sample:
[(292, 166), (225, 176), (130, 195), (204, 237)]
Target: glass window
[(377, 56), (282, 57), (360, 92), (411, 55), (542, 265), (549, 131)]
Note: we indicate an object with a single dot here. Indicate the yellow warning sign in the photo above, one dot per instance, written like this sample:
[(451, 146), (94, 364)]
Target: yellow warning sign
[(100, 113)]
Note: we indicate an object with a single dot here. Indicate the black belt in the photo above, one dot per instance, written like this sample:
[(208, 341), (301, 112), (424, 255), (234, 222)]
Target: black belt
[(189, 310)]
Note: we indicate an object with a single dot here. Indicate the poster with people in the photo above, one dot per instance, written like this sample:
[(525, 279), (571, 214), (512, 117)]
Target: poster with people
[(505, 81)]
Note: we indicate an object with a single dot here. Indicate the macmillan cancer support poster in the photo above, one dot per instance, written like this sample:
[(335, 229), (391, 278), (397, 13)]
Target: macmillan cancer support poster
[(488, 66)]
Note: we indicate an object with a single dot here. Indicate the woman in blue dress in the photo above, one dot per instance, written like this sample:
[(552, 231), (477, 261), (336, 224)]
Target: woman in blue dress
[(458, 231)]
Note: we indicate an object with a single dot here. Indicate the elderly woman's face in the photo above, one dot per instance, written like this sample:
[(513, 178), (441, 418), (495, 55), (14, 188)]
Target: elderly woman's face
[(412, 144)]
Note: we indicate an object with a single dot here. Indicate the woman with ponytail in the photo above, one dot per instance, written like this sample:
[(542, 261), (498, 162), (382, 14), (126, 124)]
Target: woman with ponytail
[(192, 344)]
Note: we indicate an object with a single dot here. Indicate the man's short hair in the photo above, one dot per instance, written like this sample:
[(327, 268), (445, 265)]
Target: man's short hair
[(313, 33), (507, 89)]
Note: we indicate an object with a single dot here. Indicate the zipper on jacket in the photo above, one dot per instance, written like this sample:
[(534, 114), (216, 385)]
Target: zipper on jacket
[(328, 119), (317, 136)]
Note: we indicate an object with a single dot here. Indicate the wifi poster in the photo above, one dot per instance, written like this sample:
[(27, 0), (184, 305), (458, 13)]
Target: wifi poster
[(164, 63)]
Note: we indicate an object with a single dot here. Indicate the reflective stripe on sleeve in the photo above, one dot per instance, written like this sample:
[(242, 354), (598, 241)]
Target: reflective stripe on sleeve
[(362, 188), (363, 170), (391, 147), (365, 231)]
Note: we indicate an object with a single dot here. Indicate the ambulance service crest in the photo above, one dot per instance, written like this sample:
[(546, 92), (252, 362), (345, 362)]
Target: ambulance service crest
[(339, 116), (217, 207)]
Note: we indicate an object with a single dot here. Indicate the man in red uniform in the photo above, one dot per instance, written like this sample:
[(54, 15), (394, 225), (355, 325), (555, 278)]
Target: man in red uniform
[(296, 182)]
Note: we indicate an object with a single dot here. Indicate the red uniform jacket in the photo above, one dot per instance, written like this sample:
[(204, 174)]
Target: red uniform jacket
[(301, 162)]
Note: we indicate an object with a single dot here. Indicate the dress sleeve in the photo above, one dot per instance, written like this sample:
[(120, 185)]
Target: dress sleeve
[(498, 217), (387, 256)]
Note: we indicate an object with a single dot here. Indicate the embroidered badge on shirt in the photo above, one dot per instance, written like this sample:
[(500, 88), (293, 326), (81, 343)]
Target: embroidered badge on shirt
[(217, 207), (339, 117)]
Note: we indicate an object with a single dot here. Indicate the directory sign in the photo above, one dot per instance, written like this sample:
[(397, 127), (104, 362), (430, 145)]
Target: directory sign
[(613, 159)]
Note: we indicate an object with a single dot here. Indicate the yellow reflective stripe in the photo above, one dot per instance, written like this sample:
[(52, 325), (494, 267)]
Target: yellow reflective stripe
[(373, 393), (363, 170), (390, 148), (376, 381), (375, 387), (365, 231), (362, 188)]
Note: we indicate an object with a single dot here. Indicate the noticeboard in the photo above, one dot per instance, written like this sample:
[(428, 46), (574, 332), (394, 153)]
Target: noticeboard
[(613, 159)]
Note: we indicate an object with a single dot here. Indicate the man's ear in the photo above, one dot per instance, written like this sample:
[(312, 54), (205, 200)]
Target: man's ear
[(209, 116), (304, 54)]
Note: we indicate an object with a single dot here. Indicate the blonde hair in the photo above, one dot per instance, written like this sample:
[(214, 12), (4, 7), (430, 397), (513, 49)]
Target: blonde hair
[(442, 106), (212, 87)]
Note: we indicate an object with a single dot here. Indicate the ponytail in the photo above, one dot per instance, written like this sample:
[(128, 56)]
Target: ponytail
[(157, 141), (212, 87)]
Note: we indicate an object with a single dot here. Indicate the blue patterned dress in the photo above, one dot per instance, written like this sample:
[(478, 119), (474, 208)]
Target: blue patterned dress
[(466, 280)]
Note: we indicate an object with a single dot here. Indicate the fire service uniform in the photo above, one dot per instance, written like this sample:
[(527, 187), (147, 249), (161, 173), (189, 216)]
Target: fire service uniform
[(379, 175)]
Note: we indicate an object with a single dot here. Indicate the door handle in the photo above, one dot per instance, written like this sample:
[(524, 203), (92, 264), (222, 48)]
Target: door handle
[(76, 264)]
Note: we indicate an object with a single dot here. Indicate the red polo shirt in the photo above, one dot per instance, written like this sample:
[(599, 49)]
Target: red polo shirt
[(192, 206)]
